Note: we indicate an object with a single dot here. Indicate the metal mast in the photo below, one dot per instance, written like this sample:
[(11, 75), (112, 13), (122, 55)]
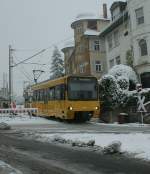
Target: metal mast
[(10, 74)]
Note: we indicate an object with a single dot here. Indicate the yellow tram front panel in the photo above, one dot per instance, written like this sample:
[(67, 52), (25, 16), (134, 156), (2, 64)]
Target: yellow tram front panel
[(82, 106)]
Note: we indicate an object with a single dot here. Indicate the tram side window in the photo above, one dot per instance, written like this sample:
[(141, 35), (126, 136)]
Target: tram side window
[(42, 95), (38, 95), (46, 95), (60, 92), (34, 96), (51, 93)]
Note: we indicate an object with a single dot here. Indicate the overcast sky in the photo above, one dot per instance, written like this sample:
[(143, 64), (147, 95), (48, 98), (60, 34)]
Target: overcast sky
[(31, 25)]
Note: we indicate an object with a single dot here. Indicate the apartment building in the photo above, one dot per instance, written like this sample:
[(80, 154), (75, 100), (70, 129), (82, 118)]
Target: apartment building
[(128, 36), (117, 35), (68, 51), (87, 56), (139, 11), (99, 43)]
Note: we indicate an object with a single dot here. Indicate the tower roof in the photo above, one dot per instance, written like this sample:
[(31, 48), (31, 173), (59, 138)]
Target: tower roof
[(86, 16)]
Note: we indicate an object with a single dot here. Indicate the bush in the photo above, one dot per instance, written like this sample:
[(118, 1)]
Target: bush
[(114, 87)]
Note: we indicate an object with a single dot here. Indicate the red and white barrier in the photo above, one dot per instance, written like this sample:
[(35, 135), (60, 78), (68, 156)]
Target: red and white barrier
[(19, 111)]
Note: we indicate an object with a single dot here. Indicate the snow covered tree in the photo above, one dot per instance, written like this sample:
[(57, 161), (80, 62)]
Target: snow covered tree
[(123, 83), (124, 72), (57, 65), (110, 93), (114, 87)]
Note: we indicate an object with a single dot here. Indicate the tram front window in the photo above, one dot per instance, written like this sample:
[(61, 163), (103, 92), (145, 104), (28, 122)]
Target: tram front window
[(82, 88)]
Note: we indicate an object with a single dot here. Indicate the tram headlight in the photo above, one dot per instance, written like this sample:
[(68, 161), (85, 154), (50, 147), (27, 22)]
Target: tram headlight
[(70, 108), (97, 108)]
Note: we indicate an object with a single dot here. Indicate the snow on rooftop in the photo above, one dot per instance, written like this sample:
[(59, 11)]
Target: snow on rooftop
[(90, 32), (86, 16)]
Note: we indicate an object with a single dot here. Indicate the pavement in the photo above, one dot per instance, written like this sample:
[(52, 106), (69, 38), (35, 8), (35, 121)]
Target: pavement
[(89, 127), (33, 157)]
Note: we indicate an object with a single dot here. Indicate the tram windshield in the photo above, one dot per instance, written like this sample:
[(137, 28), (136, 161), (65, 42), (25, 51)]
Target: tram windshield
[(82, 88)]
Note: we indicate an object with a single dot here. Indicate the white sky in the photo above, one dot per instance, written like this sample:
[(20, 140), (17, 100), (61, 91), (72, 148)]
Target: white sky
[(36, 24)]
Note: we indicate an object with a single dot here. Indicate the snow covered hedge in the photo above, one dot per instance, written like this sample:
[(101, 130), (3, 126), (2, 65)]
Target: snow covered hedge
[(114, 87), (125, 72)]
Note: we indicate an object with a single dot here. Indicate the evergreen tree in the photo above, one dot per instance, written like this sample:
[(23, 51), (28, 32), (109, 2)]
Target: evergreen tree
[(57, 65)]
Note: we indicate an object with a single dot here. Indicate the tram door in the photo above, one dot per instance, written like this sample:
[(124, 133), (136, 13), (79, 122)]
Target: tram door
[(45, 109), (59, 99)]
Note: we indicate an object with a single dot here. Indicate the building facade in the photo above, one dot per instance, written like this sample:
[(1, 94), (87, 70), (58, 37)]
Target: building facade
[(127, 37), (88, 53), (117, 35), (99, 43), (139, 11)]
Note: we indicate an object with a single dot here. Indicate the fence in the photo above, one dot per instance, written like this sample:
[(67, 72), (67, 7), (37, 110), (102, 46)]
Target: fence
[(13, 111)]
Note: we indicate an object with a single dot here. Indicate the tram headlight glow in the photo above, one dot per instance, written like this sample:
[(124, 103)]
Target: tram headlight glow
[(70, 108), (97, 108)]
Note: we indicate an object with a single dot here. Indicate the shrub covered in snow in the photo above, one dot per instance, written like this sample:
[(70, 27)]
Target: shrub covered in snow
[(114, 87), (123, 71), (123, 83), (110, 92)]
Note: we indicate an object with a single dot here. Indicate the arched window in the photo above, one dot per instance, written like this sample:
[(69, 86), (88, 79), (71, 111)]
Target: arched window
[(143, 47)]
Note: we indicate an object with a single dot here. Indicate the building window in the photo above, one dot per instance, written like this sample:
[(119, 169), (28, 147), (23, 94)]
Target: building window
[(111, 63), (92, 25), (110, 43), (145, 80), (116, 38), (79, 29), (143, 47), (82, 68), (139, 16), (96, 45), (118, 60), (98, 66)]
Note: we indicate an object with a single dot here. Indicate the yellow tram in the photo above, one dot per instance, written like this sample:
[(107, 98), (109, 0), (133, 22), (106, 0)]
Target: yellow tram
[(67, 98)]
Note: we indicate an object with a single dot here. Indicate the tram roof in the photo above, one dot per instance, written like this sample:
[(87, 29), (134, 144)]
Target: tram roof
[(52, 82)]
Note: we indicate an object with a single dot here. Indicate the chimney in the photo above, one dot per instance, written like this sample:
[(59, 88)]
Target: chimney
[(105, 11)]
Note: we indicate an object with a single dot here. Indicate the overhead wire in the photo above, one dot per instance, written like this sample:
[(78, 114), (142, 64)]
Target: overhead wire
[(23, 70), (43, 50)]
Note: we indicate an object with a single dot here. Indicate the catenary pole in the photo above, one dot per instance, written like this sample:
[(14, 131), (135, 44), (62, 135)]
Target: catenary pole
[(10, 74)]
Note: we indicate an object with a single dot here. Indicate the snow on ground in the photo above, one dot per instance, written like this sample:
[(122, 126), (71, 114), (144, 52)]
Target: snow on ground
[(134, 125), (24, 119), (7, 169), (137, 144)]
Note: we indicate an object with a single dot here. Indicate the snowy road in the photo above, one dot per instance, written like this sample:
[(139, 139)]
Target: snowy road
[(91, 127), (36, 124), (32, 157), (21, 148)]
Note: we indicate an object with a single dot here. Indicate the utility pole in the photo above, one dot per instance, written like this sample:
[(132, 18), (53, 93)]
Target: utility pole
[(12, 65), (10, 74)]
